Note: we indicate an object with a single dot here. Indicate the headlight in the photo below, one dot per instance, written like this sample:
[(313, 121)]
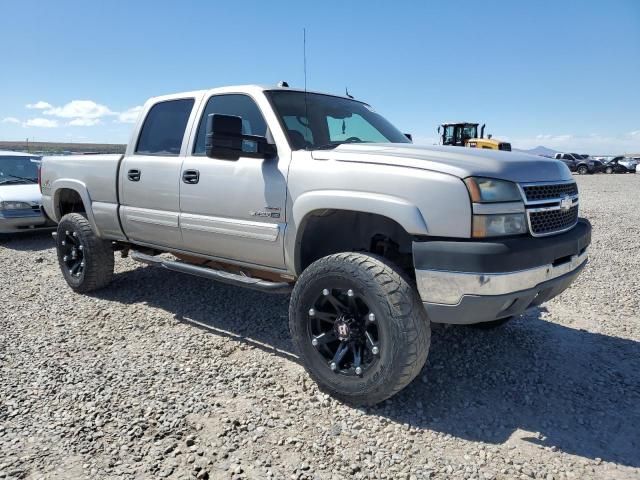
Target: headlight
[(499, 225), (489, 190), (490, 218), (14, 205)]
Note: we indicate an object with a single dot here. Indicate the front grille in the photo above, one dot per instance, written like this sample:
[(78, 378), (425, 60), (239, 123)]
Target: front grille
[(535, 193), (550, 221)]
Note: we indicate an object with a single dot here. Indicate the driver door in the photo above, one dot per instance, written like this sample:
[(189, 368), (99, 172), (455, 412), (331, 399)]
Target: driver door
[(233, 209)]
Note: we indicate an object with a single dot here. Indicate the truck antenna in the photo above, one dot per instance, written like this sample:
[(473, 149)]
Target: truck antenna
[(304, 58)]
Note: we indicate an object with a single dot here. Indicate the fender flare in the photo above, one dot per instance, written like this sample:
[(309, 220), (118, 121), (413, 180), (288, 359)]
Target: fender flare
[(81, 189), (403, 212)]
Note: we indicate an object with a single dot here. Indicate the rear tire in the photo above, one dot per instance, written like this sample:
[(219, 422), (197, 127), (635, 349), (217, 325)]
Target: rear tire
[(386, 323), (86, 261), (583, 170)]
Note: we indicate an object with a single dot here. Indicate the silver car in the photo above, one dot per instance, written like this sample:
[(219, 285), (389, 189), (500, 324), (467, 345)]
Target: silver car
[(20, 197)]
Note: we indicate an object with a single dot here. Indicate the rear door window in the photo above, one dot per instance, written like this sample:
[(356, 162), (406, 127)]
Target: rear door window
[(164, 127)]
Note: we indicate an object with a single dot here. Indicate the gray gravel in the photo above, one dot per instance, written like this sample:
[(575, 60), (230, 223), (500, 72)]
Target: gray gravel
[(168, 376)]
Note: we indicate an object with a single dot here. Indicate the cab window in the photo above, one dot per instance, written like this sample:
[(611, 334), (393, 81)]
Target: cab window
[(164, 127), (253, 122)]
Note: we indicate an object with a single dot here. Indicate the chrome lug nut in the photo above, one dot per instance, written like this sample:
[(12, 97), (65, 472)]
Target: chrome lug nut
[(82, 264), (372, 317), (63, 243), (350, 293), (325, 292), (75, 234), (66, 232), (314, 342), (358, 370), (312, 312), (333, 366), (80, 247), (375, 350), (65, 258)]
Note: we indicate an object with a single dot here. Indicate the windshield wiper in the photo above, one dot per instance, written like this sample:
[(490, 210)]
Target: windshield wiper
[(26, 179), (326, 146)]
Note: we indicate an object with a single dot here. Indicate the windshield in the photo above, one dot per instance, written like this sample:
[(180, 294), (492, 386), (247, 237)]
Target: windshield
[(324, 121), (18, 170)]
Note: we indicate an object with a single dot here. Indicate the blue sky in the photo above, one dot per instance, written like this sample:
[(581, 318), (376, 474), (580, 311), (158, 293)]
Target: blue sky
[(565, 74)]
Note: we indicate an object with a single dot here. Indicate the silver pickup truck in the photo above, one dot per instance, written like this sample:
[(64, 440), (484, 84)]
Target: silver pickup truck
[(283, 190)]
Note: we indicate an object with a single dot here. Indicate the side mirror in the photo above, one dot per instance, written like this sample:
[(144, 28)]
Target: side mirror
[(409, 136), (226, 141)]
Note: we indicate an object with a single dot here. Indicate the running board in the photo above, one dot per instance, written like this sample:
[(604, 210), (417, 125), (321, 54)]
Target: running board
[(211, 274)]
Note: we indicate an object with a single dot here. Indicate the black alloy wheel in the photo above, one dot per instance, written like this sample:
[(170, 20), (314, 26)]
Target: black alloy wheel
[(72, 253), (343, 330)]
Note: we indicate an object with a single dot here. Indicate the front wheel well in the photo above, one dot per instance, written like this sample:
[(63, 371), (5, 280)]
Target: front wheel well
[(325, 232)]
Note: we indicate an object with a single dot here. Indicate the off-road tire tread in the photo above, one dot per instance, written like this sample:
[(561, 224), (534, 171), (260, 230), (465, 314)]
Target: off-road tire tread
[(100, 265), (406, 311)]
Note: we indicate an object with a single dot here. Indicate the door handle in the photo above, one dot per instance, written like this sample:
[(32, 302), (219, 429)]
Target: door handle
[(191, 176), (134, 175)]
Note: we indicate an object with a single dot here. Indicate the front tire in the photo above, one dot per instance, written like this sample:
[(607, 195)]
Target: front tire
[(86, 261), (608, 170), (359, 327)]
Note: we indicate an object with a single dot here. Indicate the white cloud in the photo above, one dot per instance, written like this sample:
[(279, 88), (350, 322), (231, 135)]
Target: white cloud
[(131, 115), (39, 105), (40, 122), (10, 120), (78, 113), (80, 109), (84, 122), (635, 133)]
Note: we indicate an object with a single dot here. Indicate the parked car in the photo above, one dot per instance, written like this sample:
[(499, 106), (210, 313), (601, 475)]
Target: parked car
[(620, 164), (278, 189), (20, 197), (577, 163)]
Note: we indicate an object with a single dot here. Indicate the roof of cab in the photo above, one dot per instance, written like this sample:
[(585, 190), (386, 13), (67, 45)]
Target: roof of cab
[(239, 89)]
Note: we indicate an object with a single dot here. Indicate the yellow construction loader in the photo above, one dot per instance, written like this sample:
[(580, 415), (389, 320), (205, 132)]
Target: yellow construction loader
[(464, 134)]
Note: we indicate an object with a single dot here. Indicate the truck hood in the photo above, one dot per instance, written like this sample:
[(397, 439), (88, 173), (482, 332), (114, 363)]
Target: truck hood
[(29, 193), (457, 161)]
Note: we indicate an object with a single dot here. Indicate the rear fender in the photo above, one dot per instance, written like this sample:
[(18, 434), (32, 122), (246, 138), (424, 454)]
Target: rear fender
[(80, 188)]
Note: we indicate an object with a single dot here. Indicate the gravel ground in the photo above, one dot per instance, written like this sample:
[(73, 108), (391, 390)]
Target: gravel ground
[(165, 375)]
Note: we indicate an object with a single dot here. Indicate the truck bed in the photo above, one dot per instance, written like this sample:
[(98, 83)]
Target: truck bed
[(97, 174)]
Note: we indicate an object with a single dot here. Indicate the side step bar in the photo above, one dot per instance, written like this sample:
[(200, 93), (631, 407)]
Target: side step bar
[(211, 274)]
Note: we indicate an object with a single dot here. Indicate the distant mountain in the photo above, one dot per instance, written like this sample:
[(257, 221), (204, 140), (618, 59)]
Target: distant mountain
[(539, 150)]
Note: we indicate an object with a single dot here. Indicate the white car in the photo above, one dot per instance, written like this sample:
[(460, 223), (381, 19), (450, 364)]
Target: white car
[(20, 197)]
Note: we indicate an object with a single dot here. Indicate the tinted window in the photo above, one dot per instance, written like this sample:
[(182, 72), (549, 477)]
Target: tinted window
[(164, 128), (239, 105)]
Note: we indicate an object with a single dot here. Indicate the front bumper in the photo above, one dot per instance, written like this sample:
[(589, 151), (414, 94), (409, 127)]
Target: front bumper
[(466, 282), (13, 221)]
